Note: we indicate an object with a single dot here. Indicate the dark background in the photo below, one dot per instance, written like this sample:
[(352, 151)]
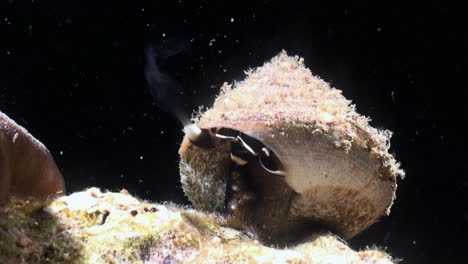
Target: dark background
[(72, 74)]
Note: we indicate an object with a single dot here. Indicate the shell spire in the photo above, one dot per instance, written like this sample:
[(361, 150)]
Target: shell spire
[(335, 169)]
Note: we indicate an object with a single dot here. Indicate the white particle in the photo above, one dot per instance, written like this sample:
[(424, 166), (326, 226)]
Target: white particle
[(379, 29), (219, 51), (15, 137), (162, 132), (141, 157), (163, 34), (143, 10), (232, 19), (224, 70), (211, 42), (61, 152)]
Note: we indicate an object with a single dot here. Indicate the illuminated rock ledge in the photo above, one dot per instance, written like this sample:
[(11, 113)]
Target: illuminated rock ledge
[(95, 227)]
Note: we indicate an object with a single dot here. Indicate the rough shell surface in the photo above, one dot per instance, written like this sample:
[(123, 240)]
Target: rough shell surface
[(337, 166), (27, 169)]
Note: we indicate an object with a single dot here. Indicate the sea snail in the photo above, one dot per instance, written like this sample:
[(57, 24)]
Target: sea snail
[(282, 154), (27, 170)]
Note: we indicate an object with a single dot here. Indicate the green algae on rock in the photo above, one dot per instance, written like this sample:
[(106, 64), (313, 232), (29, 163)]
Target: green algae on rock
[(96, 227)]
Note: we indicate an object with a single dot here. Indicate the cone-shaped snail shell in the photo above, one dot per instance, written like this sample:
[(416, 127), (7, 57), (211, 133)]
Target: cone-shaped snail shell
[(282, 154)]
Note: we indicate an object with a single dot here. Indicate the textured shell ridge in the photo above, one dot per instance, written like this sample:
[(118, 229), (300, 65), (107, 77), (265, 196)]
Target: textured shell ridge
[(337, 169)]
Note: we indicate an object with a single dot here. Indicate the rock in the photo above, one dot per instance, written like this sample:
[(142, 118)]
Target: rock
[(99, 227)]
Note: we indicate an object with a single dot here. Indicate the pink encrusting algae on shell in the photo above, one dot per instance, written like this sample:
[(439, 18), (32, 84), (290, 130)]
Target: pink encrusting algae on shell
[(285, 91), (312, 161)]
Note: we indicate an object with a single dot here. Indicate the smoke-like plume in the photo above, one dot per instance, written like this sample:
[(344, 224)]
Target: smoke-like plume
[(163, 87)]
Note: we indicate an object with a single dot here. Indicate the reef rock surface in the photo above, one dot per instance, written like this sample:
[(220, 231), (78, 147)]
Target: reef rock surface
[(106, 227)]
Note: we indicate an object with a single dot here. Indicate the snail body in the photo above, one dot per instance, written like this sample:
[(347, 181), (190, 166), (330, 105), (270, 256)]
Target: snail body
[(284, 155)]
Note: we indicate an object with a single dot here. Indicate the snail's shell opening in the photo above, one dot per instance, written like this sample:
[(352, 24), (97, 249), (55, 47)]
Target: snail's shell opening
[(322, 187), (237, 175)]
